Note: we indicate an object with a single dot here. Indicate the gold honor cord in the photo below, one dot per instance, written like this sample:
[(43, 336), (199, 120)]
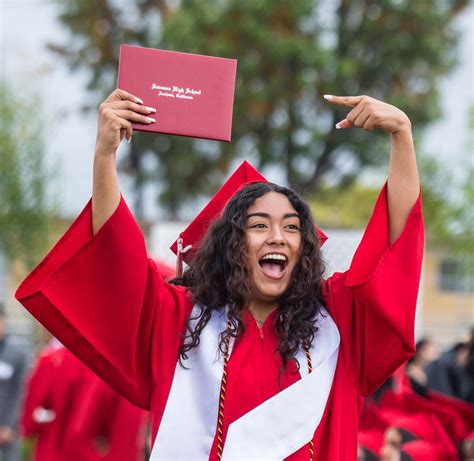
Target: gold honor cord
[(310, 370), (220, 419)]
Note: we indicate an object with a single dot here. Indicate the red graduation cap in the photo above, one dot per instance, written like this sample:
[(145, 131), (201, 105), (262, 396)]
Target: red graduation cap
[(371, 439), (419, 450), (427, 428), (188, 242), (455, 424), (464, 411), (373, 417)]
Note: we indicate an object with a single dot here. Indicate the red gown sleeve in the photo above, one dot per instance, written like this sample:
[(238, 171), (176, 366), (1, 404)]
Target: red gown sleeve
[(374, 302), (105, 301)]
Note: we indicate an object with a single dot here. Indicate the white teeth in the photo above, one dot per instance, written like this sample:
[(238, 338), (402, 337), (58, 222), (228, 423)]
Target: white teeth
[(274, 256)]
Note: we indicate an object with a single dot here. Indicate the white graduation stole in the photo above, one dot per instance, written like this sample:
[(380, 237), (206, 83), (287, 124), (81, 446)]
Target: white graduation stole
[(272, 431)]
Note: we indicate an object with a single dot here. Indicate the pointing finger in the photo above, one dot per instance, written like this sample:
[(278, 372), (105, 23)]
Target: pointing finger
[(349, 101)]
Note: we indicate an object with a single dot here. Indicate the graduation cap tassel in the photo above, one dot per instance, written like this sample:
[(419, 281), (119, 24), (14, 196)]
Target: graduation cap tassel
[(180, 251), (179, 257)]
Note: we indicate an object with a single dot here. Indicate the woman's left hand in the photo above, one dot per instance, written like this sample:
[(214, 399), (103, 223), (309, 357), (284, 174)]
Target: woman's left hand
[(370, 113)]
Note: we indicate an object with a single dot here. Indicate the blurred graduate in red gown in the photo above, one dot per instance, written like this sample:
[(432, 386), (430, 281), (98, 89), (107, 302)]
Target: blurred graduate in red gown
[(73, 415), (414, 423), (53, 399), (276, 360)]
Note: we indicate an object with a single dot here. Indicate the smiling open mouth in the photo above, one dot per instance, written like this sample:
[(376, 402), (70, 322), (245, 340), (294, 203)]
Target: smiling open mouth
[(273, 264)]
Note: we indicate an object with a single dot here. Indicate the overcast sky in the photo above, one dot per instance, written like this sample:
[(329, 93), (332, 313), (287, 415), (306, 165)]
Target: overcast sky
[(27, 25)]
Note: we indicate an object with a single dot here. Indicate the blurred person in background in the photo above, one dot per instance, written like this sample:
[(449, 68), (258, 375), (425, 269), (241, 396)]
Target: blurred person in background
[(426, 353), (411, 421), (417, 450), (417, 437), (394, 438), (453, 372), (364, 454), (13, 363), (468, 447), (55, 389), (369, 443), (73, 415)]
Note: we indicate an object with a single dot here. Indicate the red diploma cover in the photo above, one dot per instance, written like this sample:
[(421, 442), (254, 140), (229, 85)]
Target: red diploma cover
[(193, 94)]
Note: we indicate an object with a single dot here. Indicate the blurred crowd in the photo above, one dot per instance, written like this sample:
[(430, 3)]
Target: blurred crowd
[(63, 411), (425, 411)]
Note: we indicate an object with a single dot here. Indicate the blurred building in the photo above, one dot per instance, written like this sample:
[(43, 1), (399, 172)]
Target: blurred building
[(448, 297)]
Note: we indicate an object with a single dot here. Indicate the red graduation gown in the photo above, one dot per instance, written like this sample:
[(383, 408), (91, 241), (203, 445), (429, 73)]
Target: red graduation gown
[(58, 382), (103, 299)]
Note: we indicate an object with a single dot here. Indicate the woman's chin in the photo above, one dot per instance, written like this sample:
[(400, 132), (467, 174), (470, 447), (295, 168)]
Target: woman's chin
[(266, 297), (267, 292)]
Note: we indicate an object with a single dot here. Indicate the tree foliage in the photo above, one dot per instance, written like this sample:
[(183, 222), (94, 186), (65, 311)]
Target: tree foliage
[(448, 202), (25, 213), (349, 207), (289, 54)]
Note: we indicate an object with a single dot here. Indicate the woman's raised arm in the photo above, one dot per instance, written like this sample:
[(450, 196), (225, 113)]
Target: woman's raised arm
[(115, 116), (403, 186)]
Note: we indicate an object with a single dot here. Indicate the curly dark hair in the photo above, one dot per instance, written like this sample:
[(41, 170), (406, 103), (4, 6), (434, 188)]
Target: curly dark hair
[(219, 276)]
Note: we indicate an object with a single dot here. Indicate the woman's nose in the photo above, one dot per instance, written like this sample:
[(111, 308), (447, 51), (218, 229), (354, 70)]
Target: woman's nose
[(275, 236)]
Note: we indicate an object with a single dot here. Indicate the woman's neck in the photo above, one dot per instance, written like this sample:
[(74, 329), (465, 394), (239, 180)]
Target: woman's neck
[(261, 312)]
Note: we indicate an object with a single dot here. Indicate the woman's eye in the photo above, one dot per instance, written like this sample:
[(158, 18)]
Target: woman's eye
[(292, 227), (258, 226)]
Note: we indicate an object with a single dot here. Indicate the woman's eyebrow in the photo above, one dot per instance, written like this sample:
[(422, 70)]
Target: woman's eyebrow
[(260, 214), (291, 215), (266, 215)]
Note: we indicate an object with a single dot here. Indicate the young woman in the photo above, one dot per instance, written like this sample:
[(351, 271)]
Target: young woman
[(275, 360)]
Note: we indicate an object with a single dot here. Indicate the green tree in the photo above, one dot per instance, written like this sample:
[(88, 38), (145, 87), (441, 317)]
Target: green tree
[(448, 202), (349, 207), (290, 53), (25, 212)]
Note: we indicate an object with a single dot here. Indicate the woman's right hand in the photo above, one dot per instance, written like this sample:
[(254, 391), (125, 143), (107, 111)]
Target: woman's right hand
[(115, 116)]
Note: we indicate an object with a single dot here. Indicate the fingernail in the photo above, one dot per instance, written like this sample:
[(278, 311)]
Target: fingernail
[(150, 120), (338, 126), (328, 97), (138, 100), (150, 109)]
